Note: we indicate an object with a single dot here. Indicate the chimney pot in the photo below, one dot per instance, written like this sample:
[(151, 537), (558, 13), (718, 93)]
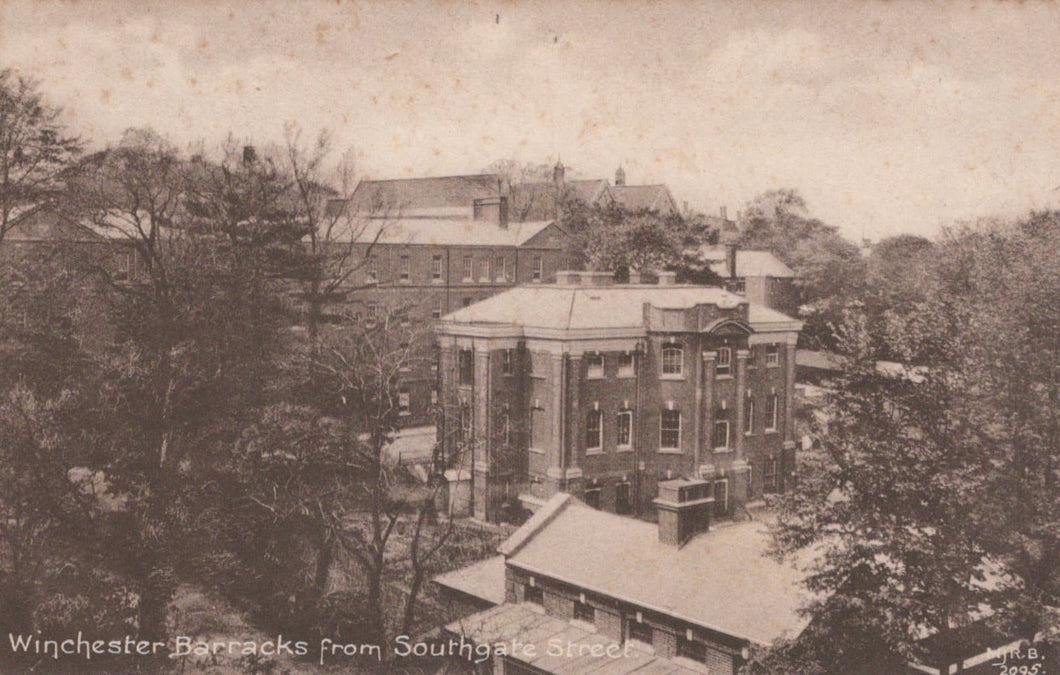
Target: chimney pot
[(667, 278)]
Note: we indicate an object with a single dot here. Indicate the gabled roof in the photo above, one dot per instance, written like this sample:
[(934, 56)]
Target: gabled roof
[(650, 197), (539, 200), (437, 232), (721, 580), (44, 222), (441, 195), (575, 307), (748, 263)]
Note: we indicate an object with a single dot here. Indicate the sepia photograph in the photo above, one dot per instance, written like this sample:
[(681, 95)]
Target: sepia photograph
[(503, 337)]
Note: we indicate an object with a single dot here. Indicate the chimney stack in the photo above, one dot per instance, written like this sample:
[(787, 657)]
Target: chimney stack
[(250, 154), (559, 172), (724, 213), (683, 507), (667, 278), (620, 176), (730, 259), (494, 209)]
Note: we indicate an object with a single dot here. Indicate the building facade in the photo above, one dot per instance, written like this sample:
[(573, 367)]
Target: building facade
[(605, 390)]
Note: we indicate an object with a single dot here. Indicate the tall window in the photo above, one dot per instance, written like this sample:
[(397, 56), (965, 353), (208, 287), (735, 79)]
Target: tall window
[(721, 496), (467, 367), (533, 594), (436, 268), (436, 311), (372, 312), (508, 362), (502, 268), (721, 434), (404, 402), (624, 428), (625, 364), (724, 365), (373, 269), (405, 269), (594, 432), (769, 476), (538, 432), (469, 268), (772, 409), (539, 268), (749, 415), (670, 429), (773, 355), (125, 266), (691, 649), (673, 359), (484, 271), (506, 426), (594, 366)]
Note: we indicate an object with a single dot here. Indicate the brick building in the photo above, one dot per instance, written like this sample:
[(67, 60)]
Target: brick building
[(604, 390), (757, 275), (426, 247), (587, 591)]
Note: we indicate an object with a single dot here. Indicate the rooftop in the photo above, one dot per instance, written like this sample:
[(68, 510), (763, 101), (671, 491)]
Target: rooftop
[(403, 195), (483, 580), (637, 197), (576, 307), (721, 580), (437, 232), (748, 263)]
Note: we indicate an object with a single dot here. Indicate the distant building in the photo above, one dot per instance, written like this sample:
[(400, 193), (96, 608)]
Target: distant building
[(666, 598), (757, 275), (532, 201), (605, 390)]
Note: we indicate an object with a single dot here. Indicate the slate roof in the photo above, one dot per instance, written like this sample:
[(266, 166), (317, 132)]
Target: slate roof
[(505, 623), (539, 200), (440, 195), (442, 232), (651, 197), (721, 580), (562, 307), (483, 580), (748, 263)]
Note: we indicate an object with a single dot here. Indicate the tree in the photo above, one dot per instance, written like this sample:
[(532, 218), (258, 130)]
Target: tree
[(34, 147)]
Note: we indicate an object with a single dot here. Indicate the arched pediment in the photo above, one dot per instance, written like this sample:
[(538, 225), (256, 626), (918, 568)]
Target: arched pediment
[(727, 326)]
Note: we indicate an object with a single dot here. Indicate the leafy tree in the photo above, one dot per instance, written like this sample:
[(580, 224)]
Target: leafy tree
[(34, 147)]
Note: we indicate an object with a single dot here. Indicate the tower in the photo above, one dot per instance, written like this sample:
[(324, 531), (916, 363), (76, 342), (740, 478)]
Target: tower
[(558, 172), (620, 176)]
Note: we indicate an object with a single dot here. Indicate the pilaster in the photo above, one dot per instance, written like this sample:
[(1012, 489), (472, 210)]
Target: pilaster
[(705, 409), (736, 431)]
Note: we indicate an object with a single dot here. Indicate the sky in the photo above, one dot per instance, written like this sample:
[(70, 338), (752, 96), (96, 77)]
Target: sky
[(891, 117)]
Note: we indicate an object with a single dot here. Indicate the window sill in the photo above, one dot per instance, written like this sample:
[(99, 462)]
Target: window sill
[(670, 451), (723, 376), (772, 432), (467, 281), (672, 378), (625, 376), (594, 451), (437, 281), (772, 365), (536, 451), (535, 281), (722, 451), (624, 448), (404, 414), (595, 377)]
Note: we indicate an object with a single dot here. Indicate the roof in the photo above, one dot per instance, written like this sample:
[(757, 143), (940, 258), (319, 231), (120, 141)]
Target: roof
[(748, 263), (44, 222), (539, 200), (818, 360), (483, 580), (721, 580), (505, 623), (436, 232), (423, 195), (413, 445), (560, 307), (650, 197)]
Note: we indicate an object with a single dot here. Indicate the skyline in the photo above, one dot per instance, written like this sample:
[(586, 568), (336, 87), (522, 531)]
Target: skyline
[(887, 118)]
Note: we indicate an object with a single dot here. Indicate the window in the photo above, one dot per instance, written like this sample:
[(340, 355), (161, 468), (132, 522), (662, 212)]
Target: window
[(595, 366), (673, 359), (125, 266), (772, 408), (721, 434), (724, 365), (506, 426), (534, 594), (508, 362), (773, 355), (502, 268), (469, 268), (467, 367), (584, 612), (403, 402), (670, 429), (739, 286), (623, 499), (539, 268), (592, 497), (372, 312), (434, 397), (749, 415), (538, 432), (624, 426), (769, 476), (484, 270), (405, 270), (373, 270), (691, 649), (625, 364), (436, 311), (594, 430), (467, 302), (641, 632), (436, 268)]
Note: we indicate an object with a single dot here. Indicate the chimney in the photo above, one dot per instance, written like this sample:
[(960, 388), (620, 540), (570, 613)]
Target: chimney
[(250, 154), (620, 176), (494, 209), (559, 172), (724, 213), (635, 277), (683, 507), (667, 278), (730, 259), (686, 212)]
